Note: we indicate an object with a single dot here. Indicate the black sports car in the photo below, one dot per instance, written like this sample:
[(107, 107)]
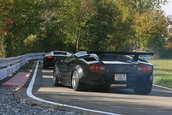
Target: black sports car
[(53, 56), (85, 70)]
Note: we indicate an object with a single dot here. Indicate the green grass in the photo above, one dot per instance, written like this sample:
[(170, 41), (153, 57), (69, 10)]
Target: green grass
[(162, 72)]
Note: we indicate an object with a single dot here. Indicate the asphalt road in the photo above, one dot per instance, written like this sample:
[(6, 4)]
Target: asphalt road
[(119, 101)]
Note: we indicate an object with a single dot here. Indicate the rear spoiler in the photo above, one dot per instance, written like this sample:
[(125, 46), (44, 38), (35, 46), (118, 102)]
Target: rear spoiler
[(135, 54)]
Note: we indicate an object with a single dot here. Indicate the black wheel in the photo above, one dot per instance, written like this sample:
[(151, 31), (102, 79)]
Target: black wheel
[(75, 82), (143, 89), (45, 66), (55, 78)]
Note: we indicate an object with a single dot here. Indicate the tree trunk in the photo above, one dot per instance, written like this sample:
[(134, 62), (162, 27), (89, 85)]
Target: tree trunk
[(77, 45)]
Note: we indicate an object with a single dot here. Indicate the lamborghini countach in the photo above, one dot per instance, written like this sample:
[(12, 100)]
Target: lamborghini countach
[(100, 70)]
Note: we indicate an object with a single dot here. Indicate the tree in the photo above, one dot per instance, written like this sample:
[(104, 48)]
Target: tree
[(74, 16), (51, 36), (151, 29), (5, 23), (101, 25), (41, 25), (26, 22), (123, 36)]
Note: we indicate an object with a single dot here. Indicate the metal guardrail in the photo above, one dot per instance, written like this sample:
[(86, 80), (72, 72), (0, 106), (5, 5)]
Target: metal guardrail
[(12, 64)]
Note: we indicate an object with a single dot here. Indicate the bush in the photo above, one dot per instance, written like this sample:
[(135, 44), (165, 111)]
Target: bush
[(2, 45), (167, 53)]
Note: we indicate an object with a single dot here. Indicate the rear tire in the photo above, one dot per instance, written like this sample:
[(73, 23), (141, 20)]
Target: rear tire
[(75, 82), (143, 89), (45, 65)]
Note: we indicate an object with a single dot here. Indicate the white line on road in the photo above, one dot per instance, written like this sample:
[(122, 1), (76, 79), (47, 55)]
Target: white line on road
[(29, 93), (163, 87)]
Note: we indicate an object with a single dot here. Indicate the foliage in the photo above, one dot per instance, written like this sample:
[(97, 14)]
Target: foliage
[(51, 36), (100, 26), (26, 22), (74, 16), (5, 6), (151, 30), (123, 35), (167, 51), (2, 46), (41, 25)]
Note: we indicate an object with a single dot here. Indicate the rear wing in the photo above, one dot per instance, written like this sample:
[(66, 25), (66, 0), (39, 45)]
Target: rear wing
[(134, 54)]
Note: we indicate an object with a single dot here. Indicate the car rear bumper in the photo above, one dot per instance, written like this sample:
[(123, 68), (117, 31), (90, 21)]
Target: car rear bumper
[(132, 79)]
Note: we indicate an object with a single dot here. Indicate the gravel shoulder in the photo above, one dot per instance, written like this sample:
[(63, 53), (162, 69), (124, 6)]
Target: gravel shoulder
[(14, 101)]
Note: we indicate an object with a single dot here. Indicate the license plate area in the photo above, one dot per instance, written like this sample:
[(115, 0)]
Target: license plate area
[(120, 77)]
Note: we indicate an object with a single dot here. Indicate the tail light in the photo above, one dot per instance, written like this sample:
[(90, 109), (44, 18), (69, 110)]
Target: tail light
[(49, 56), (97, 67), (144, 68)]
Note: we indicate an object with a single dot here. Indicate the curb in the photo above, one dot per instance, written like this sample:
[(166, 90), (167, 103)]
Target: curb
[(20, 93), (162, 87)]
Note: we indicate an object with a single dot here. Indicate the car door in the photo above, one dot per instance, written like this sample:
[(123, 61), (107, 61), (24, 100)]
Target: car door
[(66, 69)]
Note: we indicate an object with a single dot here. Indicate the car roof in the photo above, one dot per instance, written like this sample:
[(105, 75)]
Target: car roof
[(58, 53), (81, 53)]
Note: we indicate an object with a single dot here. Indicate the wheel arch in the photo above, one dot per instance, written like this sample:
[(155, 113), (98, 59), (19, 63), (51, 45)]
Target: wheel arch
[(79, 69)]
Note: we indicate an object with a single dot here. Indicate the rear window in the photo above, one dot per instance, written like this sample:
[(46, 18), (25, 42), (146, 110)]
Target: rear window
[(90, 59), (115, 57), (61, 53)]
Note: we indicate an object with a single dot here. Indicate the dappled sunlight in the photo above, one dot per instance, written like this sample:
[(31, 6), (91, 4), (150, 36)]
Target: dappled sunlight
[(48, 76), (47, 73)]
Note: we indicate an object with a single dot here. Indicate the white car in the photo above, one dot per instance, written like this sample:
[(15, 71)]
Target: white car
[(53, 56)]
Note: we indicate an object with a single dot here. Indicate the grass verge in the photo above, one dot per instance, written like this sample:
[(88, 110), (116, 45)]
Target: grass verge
[(162, 72)]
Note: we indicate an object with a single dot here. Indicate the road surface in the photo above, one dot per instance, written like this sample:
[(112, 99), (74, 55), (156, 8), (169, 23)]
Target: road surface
[(119, 101)]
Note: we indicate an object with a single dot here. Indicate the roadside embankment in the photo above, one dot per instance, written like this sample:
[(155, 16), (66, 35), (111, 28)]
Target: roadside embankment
[(162, 72), (13, 105)]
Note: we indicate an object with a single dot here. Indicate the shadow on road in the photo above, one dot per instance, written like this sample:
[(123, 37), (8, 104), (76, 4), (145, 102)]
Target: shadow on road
[(48, 82)]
